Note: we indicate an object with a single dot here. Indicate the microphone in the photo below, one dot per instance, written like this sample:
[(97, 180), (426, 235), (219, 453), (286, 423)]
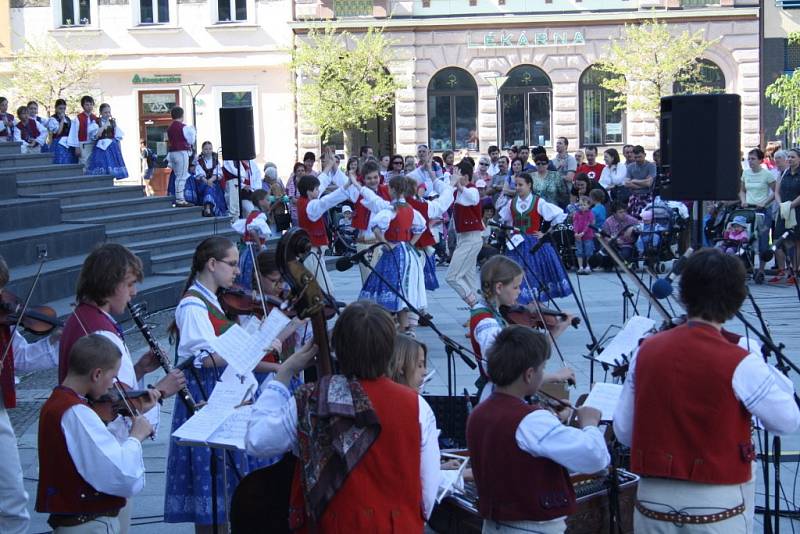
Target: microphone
[(768, 254), (345, 262), (662, 288), (502, 226)]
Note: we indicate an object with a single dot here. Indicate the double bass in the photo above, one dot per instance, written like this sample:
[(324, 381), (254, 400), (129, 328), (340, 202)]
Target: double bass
[(261, 500)]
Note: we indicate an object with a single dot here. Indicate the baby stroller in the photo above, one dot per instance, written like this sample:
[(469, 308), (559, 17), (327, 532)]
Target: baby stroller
[(343, 238), (659, 234), (752, 220)]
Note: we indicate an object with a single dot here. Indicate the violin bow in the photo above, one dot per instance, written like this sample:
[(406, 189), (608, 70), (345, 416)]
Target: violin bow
[(257, 276)]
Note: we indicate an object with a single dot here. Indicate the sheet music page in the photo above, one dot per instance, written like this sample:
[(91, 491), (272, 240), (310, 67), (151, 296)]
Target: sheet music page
[(232, 431), (605, 397), (451, 479), (232, 389), (626, 341), (243, 350), (202, 424)]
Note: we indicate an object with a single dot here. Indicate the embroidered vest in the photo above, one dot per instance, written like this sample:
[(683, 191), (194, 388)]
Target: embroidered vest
[(528, 221)]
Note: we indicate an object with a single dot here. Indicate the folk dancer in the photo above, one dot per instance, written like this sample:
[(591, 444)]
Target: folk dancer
[(107, 156), (391, 473), (40, 123), (181, 139), (83, 130), (362, 214), (207, 183), (687, 407), (468, 220), (85, 473), (21, 357), (59, 126), (254, 231), (252, 180), (521, 454), (28, 132)]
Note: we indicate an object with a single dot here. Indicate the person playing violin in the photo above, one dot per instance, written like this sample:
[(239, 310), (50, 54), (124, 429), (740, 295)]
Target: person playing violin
[(521, 455), (85, 473), (501, 279), (21, 357)]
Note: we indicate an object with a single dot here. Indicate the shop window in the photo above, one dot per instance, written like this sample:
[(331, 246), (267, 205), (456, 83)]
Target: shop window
[(154, 11), (228, 11), (69, 13), (525, 108), (600, 123), (453, 110), (702, 77), (236, 99)]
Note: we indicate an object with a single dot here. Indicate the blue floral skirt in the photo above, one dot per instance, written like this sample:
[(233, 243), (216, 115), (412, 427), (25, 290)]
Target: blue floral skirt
[(63, 155), (108, 161), (402, 267), (543, 271), (431, 282), (199, 193)]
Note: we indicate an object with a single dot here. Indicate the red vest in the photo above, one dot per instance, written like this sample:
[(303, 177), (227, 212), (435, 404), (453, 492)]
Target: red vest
[(528, 222), (468, 218), (688, 424), (7, 371), (24, 132), (426, 239), (400, 227), (62, 490), (176, 141), (244, 172), (93, 319), (512, 484), (250, 218), (9, 118), (361, 214), (383, 493), (476, 315), (83, 126), (316, 229)]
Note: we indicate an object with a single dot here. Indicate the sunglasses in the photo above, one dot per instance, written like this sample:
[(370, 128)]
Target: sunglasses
[(541, 163), (397, 163), (484, 163)]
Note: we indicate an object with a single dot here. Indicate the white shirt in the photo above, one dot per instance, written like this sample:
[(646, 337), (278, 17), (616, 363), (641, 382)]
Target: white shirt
[(191, 317), (260, 224), (614, 175), (494, 168), (255, 176), (91, 132), (383, 218), (216, 172), (335, 176), (763, 390), (29, 357), (272, 430), (422, 176), (580, 450), (108, 465), (549, 212), (43, 133), (103, 144), (54, 125), (468, 196), (190, 134), (317, 207)]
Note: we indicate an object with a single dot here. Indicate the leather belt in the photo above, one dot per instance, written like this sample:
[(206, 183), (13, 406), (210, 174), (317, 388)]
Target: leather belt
[(681, 518), (60, 520)]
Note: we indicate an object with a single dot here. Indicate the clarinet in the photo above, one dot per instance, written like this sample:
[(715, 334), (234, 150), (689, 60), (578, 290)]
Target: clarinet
[(163, 360)]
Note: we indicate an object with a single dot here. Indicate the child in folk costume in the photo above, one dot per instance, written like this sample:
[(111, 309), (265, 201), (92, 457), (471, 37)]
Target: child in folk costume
[(207, 183), (362, 214), (469, 225), (389, 478), (28, 133), (255, 231), (432, 210), (83, 130), (22, 357), (40, 123), (107, 156), (59, 125), (501, 279), (252, 180), (522, 455), (399, 226), (544, 274), (181, 139), (199, 318), (85, 473), (6, 122)]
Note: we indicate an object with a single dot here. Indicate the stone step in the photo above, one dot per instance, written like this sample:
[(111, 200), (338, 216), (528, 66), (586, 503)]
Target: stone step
[(38, 172), (21, 247), (189, 240), (65, 183), (95, 195), (208, 225), (126, 204), (173, 261), (10, 148), (25, 160), (143, 218), (21, 213)]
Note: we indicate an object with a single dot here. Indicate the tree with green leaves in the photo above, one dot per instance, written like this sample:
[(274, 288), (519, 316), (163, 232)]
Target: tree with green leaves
[(45, 70), (784, 93), (644, 63), (344, 81)]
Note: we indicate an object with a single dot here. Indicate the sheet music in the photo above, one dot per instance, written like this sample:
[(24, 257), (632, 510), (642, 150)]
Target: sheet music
[(626, 341), (233, 389), (202, 424), (232, 431), (243, 350), (605, 397), (451, 479)]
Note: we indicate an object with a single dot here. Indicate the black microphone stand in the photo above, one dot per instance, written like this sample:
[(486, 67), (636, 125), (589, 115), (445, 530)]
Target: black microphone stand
[(791, 267), (451, 347)]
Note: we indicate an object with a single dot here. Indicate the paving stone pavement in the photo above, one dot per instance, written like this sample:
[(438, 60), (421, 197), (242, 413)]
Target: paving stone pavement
[(601, 293)]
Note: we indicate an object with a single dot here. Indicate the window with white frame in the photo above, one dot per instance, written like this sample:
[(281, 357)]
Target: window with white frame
[(154, 11), (231, 10), (74, 12)]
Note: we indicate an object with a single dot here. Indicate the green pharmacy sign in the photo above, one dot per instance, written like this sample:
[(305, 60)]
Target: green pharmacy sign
[(139, 79)]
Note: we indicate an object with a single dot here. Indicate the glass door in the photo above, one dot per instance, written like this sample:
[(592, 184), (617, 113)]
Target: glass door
[(154, 119), (538, 114), (514, 123)]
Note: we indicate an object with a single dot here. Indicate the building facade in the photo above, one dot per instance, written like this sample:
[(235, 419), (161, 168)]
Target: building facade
[(158, 53), (484, 72), (778, 56)]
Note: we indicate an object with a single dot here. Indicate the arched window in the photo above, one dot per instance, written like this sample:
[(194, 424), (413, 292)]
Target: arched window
[(702, 77), (600, 123), (453, 110), (525, 100)]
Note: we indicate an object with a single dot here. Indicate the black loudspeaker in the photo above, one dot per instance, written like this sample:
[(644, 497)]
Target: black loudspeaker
[(237, 134), (701, 146)]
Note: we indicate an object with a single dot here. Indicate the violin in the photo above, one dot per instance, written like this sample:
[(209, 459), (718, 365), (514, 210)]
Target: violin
[(236, 302), (114, 403), (35, 319), (536, 316)]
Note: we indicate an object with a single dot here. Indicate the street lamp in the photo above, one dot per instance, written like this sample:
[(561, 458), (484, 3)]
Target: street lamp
[(497, 81), (194, 89)]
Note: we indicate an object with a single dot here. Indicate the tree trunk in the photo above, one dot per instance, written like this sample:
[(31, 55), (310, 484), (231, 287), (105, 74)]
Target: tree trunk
[(350, 137)]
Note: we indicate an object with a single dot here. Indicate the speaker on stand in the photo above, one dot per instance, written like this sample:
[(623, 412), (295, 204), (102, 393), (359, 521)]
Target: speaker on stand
[(700, 124), (237, 140)]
